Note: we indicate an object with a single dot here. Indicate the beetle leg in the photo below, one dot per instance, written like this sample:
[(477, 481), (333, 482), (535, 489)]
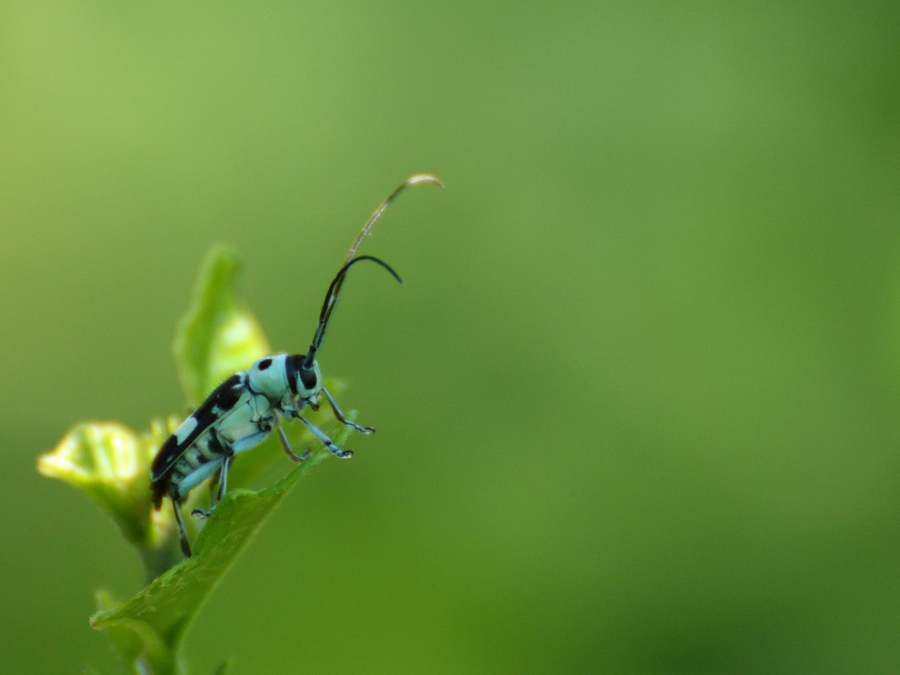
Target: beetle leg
[(344, 454), (185, 544), (213, 488), (223, 485), (287, 448), (199, 514), (340, 416), (223, 479)]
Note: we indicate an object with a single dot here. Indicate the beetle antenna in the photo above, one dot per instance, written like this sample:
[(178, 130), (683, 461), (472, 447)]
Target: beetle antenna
[(331, 298), (412, 180)]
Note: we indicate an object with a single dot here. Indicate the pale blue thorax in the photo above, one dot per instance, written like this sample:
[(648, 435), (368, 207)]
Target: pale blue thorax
[(272, 381)]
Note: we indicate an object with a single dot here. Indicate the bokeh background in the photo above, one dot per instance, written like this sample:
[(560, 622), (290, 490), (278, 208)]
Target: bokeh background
[(637, 399)]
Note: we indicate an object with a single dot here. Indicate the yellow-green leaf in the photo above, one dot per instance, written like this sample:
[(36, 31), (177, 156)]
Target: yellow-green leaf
[(110, 463)]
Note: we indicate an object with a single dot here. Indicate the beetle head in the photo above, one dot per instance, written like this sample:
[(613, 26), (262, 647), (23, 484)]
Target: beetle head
[(304, 379)]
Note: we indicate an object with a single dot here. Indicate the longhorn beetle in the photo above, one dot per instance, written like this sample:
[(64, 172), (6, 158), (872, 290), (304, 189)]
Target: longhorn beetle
[(242, 411)]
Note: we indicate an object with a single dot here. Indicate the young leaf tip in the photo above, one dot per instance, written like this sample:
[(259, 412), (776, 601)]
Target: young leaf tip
[(109, 462), (218, 335)]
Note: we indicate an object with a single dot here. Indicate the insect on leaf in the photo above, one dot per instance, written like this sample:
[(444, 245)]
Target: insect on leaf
[(218, 335)]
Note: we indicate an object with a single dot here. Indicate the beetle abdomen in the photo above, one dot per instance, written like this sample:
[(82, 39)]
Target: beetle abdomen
[(205, 449)]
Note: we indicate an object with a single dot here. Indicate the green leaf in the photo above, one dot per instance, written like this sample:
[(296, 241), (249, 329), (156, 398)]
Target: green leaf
[(125, 642), (158, 615), (218, 335)]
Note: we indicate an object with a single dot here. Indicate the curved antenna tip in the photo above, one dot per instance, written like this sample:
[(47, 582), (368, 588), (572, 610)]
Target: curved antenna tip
[(415, 179), (424, 178)]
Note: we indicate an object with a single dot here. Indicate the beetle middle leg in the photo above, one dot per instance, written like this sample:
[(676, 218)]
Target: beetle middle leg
[(287, 448), (221, 477), (220, 492), (213, 497)]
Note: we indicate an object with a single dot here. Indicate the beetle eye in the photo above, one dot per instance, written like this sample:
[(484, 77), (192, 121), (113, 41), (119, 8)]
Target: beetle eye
[(308, 378)]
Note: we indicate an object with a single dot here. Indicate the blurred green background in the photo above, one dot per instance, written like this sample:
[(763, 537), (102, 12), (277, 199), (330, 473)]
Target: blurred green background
[(637, 399)]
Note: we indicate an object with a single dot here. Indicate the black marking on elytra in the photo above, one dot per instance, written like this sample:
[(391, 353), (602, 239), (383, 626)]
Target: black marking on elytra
[(223, 399), (264, 364), (158, 490)]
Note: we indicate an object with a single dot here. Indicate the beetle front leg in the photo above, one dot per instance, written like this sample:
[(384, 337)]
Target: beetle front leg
[(340, 416), (335, 450)]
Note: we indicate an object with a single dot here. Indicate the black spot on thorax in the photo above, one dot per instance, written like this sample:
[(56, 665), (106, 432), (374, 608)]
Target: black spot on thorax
[(264, 364)]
